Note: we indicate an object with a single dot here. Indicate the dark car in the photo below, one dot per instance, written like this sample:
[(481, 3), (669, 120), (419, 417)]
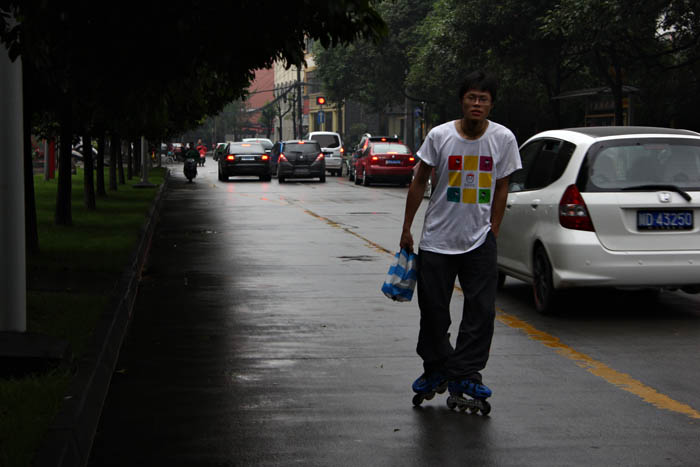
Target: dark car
[(385, 162), (244, 159), (301, 159)]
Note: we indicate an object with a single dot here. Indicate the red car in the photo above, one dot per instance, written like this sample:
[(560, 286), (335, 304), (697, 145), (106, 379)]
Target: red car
[(385, 162)]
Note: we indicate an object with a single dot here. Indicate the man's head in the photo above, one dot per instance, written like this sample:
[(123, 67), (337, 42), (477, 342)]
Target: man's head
[(477, 95)]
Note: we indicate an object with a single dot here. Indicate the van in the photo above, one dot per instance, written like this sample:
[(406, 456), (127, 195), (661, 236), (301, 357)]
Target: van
[(332, 146)]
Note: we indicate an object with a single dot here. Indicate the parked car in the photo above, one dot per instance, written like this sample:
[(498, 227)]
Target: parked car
[(301, 159), (384, 161), (241, 158), (332, 145), (604, 206), (219, 150)]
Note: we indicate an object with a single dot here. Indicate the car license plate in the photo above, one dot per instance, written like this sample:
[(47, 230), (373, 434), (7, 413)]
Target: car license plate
[(393, 162), (665, 220), (247, 158)]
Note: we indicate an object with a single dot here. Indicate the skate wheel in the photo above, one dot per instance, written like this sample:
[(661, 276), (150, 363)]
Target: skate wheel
[(473, 410), (485, 408), (417, 400), (429, 396), (451, 404)]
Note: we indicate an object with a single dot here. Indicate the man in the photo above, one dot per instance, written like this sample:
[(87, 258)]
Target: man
[(472, 158)]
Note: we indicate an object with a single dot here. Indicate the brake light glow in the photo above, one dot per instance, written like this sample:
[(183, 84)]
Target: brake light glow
[(320, 157), (342, 150), (573, 213), (231, 157), (282, 158), (375, 158), (411, 159), (265, 157)]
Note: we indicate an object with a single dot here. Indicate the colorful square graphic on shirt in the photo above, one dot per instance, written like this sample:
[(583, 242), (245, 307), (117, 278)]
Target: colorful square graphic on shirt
[(453, 195), (469, 196), (454, 163), (484, 196), (485, 180), (471, 163), (486, 163), (455, 179), (470, 179)]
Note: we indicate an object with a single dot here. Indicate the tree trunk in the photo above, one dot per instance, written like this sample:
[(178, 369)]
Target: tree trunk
[(101, 166), (137, 156), (113, 144), (129, 161), (120, 165), (88, 183), (31, 230), (63, 214)]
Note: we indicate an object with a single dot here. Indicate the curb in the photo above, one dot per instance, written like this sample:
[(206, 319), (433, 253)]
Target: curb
[(69, 438)]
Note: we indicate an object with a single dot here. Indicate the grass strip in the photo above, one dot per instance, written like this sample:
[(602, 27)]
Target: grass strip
[(69, 285)]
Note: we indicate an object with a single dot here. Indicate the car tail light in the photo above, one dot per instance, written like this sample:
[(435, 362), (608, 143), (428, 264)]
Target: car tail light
[(282, 158), (342, 150), (320, 157), (375, 158), (265, 157), (231, 157), (573, 213), (411, 159)]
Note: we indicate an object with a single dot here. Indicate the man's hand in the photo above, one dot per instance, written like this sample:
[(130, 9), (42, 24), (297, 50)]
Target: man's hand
[(406, 241)]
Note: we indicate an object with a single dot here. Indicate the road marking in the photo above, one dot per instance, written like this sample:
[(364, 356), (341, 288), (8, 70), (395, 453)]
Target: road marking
[(620, 380), (612, 376)]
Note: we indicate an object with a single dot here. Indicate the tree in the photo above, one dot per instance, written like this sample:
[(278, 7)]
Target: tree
[(72, 46)]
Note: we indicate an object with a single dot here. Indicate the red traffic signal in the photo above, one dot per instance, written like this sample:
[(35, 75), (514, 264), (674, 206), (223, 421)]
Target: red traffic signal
[(320, 100)]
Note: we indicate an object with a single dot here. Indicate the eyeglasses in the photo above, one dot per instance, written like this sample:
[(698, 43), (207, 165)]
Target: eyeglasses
[(473, 98)]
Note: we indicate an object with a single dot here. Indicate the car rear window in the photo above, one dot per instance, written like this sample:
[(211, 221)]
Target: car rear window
[(246, 148), (326, 141), (390, 148), (299, 147), (264, 143), (636, 163)]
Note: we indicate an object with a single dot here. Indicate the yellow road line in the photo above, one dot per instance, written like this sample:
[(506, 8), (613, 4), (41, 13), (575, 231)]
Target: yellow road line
[(612, 376), (600, 369)]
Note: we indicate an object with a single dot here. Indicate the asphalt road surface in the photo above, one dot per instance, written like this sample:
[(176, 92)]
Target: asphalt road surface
[(260, 337)]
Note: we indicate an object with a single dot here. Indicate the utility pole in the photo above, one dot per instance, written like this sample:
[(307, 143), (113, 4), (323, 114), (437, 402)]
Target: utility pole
[(299, 105), (13, 266)]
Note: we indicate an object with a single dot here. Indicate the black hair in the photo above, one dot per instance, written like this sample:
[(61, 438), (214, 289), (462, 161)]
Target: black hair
[(479, 81)]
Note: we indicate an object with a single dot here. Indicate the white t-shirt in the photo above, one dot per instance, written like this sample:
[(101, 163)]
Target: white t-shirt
[(458, 217)]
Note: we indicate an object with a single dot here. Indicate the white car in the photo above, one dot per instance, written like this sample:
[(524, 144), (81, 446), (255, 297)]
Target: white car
[(332, 146), (604, 207)]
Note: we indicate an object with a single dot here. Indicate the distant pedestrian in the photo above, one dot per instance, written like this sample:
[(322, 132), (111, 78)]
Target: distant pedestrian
[(472, 158)]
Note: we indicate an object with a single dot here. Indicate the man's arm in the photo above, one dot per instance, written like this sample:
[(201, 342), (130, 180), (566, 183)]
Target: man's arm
[(413, 200), (498, 207)]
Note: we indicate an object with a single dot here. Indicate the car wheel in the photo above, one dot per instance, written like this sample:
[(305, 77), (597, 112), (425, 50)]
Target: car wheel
[(280, 179), (357, 180), (365, 179), (322, 178), (351, 174), (542, 287)]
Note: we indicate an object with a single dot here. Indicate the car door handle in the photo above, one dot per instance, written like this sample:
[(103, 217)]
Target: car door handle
[(535, 203)]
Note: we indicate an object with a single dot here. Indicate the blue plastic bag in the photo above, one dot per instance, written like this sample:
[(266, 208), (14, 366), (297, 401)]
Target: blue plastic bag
[(401, 279)]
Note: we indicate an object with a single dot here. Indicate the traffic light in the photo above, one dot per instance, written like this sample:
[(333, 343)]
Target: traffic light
[(320, 100)]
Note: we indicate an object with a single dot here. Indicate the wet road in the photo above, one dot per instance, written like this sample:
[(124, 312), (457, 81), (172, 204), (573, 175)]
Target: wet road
[(260, 337)]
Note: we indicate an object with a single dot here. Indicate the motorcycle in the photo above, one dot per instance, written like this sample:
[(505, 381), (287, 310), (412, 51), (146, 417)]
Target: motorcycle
[(190, 169)]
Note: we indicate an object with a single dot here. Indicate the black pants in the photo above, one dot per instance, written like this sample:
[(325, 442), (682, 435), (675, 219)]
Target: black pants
[(478, 277)]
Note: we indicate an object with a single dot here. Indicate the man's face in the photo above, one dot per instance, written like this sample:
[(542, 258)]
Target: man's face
[(476, 105)]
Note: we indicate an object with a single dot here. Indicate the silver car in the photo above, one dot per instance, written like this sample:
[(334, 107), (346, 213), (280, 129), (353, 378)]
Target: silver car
[(604, 206), (332, 146)]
